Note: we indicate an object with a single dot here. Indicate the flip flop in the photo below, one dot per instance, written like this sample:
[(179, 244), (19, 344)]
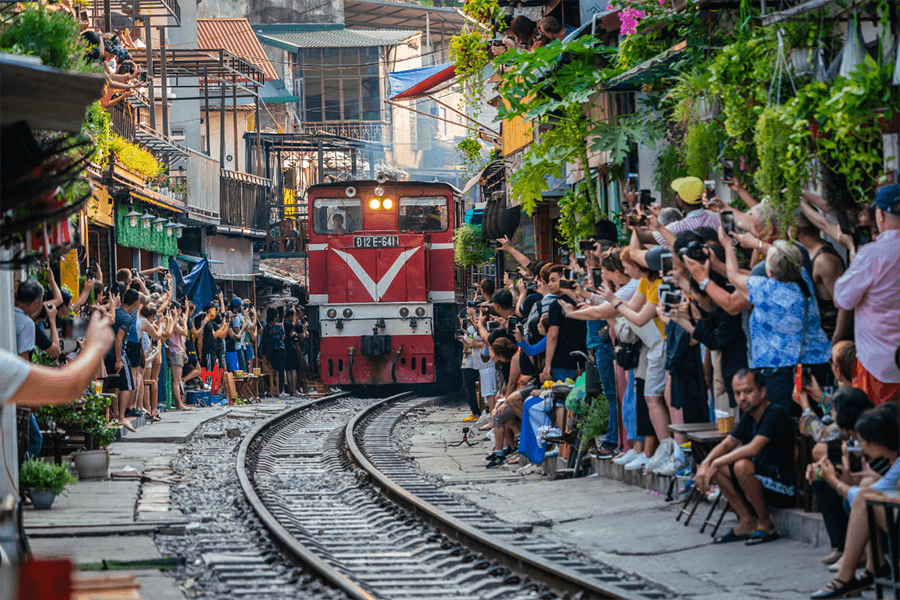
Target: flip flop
[(129, 427), (731, 536), (762, 537)]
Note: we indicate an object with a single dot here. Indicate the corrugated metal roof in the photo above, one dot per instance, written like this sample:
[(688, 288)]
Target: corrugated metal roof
[(294, 37), (236, 36)]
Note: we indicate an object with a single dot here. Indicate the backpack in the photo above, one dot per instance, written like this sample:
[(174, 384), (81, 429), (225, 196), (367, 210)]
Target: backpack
[(273, 340)]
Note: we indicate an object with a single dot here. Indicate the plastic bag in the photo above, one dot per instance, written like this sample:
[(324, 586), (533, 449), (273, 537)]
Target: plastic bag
[(575, 401)]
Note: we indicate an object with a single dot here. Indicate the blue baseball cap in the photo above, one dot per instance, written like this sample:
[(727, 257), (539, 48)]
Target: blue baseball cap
[(235, 302), (888, 199)]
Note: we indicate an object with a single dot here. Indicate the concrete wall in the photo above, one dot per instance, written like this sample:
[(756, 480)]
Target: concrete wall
[(235, 254), (282, 11), (183, 114)]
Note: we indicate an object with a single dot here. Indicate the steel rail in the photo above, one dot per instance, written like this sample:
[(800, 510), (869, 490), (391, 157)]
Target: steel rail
[(524, 562)]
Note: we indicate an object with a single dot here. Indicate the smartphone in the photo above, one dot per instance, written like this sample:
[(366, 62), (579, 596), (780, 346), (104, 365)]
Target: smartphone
[(633, 183), (511, 323), (513, 274), (806, 377), (862, 235), (596, 277), (834, 452), (565, 284), (493, 244), (854, 453), (83, 16), (728, 221), (569, 273), (710, 188), (646, 199), (667, 265), (670, 299), (134, 272), (586, 245), (493, 325), (727, 170), (472, 304)]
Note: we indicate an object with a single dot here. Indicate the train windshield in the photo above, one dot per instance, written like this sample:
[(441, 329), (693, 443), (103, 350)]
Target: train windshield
[(424, 214), (337, 215)]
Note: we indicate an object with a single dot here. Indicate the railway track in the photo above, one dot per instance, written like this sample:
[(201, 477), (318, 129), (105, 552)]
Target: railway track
[(323, 478)]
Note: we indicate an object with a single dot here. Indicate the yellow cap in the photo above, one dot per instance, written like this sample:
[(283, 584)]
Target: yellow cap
[(689, 189)]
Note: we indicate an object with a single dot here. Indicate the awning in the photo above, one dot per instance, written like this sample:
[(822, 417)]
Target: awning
[(490, 170), (406, 85), (438, 23), (665, 64), (295, 37), (275, 92)]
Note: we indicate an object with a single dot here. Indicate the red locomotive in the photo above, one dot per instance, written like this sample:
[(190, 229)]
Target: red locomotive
[(381, 281)]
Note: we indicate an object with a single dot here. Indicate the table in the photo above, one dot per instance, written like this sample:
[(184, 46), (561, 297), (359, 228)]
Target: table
[(686, 428)]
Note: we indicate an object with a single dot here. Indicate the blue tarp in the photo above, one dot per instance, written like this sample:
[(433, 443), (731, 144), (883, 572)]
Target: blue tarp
[(415, 82), (198, 285)]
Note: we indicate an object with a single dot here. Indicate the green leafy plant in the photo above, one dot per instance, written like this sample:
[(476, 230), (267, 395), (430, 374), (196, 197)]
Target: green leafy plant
[(852, 146), (595, 422), (470, 155), (469, 248), (701, 148), (88, 414), (468, 51), (53, 36), (135, 158), (669, 167), (42, 476), (97, 125), (483, 11)]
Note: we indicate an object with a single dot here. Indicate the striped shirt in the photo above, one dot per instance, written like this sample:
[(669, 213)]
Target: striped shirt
[(694, 219)]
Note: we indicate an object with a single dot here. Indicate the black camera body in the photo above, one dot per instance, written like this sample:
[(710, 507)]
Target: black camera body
[(694, 250), (493, 244)]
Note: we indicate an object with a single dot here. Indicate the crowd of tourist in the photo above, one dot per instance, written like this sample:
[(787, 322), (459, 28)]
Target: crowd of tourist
[(717, 311), (151, 325)]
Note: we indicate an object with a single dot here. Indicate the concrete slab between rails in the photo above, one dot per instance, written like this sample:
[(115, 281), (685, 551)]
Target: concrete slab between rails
[(621, 524)]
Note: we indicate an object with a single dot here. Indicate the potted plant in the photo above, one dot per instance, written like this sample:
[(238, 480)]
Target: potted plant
[(44, 481), (87, 417), (93, 461)]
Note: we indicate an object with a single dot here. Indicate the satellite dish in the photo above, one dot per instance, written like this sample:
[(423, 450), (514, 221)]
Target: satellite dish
[(350, 191)]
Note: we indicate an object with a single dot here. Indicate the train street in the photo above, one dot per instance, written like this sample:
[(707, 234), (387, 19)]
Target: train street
[(449, 299)]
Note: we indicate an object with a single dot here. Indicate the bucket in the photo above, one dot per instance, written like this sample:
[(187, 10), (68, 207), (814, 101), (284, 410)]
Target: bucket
[(724, 422), (92, 464)]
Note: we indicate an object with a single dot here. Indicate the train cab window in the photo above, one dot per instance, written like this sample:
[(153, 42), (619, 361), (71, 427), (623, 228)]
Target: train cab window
[(337, 215), (425, 214)]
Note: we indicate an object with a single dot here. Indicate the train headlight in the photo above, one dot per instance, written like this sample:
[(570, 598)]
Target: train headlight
[(331, 313), (404, 312), (388, 204), (374, 203), (347, 313), (420, 312), (379, 191)]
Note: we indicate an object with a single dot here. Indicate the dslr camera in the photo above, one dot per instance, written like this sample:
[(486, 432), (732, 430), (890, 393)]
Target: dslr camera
[(695, 250)]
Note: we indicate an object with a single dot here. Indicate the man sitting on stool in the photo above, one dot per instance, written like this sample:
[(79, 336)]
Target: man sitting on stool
[(758, 473)]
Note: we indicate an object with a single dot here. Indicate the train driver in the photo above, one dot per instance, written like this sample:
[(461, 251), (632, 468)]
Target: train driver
[(337, 222)]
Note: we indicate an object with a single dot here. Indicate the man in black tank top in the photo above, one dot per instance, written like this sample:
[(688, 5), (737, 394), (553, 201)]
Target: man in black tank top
[(827, 268)]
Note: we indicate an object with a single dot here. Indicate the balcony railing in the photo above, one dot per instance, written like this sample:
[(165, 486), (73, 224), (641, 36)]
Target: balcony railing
[(243, 200), (123, 120), (370, 131)]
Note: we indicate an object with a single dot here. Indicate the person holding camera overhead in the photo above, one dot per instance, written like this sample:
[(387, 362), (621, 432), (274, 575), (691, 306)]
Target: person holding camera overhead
[(688, 197)]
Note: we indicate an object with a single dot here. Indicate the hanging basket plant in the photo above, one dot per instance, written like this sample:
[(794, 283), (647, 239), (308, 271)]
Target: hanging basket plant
[(469, 248), (483, 11), (468, 51)]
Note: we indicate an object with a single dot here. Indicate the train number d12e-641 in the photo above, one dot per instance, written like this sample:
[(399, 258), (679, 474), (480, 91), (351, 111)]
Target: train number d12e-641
[(381, 281)]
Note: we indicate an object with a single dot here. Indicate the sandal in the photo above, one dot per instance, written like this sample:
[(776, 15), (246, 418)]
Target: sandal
[(513, 460), (155, 418), (762, 537), (837, 589), (128, 426), (731, 536), (486, 427)]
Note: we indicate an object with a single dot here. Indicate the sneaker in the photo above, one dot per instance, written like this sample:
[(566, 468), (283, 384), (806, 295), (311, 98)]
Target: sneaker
[(470, 418), (685, 473), (283, 395), (662, 455), (498, 461), (603, 453), (490, 435), (133, 412), (638, 463), (671, 468), (626, 458)]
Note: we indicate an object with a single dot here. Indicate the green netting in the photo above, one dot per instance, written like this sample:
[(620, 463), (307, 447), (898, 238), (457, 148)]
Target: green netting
[(146, 239)]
